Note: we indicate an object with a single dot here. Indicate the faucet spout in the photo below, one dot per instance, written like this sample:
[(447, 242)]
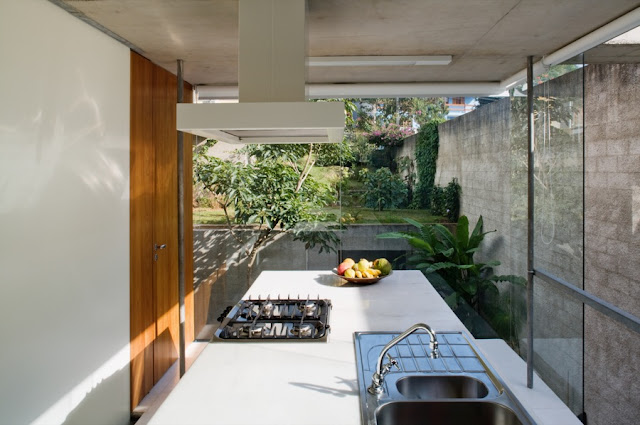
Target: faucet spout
[(376, 386)]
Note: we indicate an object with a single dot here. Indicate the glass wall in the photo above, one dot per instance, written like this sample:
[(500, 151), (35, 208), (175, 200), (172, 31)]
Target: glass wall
[(586, 175), (586, 220), (307, 207), (559, 223)]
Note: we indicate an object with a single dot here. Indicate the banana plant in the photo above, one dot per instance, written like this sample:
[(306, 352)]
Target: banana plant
[(450, 256)]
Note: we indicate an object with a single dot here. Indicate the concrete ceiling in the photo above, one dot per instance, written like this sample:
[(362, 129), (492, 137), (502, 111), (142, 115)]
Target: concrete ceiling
[(488, 39)]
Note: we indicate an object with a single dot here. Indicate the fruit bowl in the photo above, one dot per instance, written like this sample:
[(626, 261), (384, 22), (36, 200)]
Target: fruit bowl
[(360, 280)]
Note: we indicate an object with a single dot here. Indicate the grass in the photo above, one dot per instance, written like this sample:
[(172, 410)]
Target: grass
[(371, 216), (327, 175), (208, 216), (351, 212), (360, 216)]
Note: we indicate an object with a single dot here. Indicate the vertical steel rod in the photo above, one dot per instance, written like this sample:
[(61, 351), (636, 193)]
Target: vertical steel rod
[(530, 175), (181, 247)]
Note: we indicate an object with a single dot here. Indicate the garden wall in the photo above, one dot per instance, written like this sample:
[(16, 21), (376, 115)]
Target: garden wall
[(486, 150), (220, 268), (612, 240), (408, 150)]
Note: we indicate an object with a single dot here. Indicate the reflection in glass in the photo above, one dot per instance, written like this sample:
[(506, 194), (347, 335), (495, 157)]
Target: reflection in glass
[(558, 342)]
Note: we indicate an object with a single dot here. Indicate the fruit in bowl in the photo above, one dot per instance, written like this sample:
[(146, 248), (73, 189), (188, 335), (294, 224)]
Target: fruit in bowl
[(364, 270), (345, 265), (383, 265)]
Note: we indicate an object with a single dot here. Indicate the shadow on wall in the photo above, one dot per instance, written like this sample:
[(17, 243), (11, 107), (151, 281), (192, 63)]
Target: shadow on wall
[(220, 263), (221, 275), (93, 406)]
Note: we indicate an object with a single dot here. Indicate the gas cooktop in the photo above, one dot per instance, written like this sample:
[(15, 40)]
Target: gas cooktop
[(298, 319)]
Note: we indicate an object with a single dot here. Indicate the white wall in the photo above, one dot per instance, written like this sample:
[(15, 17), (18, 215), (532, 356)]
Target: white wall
[(64, 219)]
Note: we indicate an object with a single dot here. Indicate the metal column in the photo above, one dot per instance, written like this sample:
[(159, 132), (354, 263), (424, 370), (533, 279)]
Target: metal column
[(181, 251), (530, 175)]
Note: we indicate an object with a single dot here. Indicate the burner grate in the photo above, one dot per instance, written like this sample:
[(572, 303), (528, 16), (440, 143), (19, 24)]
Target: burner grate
[(305, 319)]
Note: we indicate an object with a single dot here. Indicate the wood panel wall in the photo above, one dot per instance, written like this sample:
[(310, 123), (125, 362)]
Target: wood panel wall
[(154, 220), (142, 169)]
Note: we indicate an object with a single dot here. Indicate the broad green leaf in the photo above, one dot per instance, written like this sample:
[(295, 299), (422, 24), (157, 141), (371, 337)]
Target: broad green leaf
[(447, 253), (462, 232), (420, 244), (444, 235), (469, 287), (516, 280), (414, 223), (394, 235), (439, 266), (452, 300)]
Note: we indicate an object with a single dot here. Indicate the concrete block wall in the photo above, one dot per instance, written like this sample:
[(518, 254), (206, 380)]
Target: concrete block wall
[(473, 149), (408, 150), (612, 240), (486, 151), (220, 267)]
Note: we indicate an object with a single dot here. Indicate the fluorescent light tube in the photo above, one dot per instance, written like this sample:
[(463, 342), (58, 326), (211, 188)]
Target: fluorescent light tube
[(378, 60)]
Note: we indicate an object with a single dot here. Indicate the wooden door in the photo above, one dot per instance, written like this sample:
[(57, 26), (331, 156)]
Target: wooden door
[(165, 222), (154, 226)]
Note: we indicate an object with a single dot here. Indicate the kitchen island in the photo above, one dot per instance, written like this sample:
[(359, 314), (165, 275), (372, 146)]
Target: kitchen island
[(302, 382)]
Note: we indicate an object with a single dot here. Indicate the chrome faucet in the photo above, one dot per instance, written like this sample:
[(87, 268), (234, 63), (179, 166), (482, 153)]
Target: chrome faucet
[(381, 370)]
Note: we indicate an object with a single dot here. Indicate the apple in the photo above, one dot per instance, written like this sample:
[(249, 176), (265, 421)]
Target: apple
[(343, 267)]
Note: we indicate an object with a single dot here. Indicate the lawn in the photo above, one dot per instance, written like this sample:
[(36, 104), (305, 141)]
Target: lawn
[(208, 216), (350, 215)]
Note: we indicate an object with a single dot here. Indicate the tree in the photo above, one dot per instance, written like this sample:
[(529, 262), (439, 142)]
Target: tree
[(373, 114), (273, 191)]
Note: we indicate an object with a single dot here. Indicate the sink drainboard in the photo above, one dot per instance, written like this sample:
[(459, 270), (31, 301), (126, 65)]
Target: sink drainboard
[(457, 386)]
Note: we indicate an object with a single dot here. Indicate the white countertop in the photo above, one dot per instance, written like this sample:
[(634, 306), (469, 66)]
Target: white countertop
[(302, 382)]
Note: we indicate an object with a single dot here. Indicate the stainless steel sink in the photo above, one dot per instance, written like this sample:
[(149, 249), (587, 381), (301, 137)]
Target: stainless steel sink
[(425, 387), (458, 386), (445, 413)]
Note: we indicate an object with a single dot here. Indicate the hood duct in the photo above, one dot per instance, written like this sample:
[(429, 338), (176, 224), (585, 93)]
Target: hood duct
[(272, 104)]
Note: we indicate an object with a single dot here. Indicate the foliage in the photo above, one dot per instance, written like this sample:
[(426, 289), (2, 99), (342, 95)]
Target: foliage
[(361, 149), (555, 72), (447, 256), (407, 112), (313, 234), (406, 167), (273, 193), (204, 202), (321, 154), (446, 201), (384, 189), (383, 157), (437, 201), (391, 135), (334, 154), (427, 143)]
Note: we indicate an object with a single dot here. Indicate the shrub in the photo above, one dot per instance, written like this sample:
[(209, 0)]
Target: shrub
[(427, 144), (390, 136), (452, 200), (446, 201), (204, 202), (384, 189), (446, 259)]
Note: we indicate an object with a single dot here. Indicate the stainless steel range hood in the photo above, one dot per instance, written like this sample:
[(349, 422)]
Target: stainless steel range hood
[(272, 104)]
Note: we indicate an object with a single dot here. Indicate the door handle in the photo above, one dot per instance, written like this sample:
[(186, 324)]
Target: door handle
[(156, 248)]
